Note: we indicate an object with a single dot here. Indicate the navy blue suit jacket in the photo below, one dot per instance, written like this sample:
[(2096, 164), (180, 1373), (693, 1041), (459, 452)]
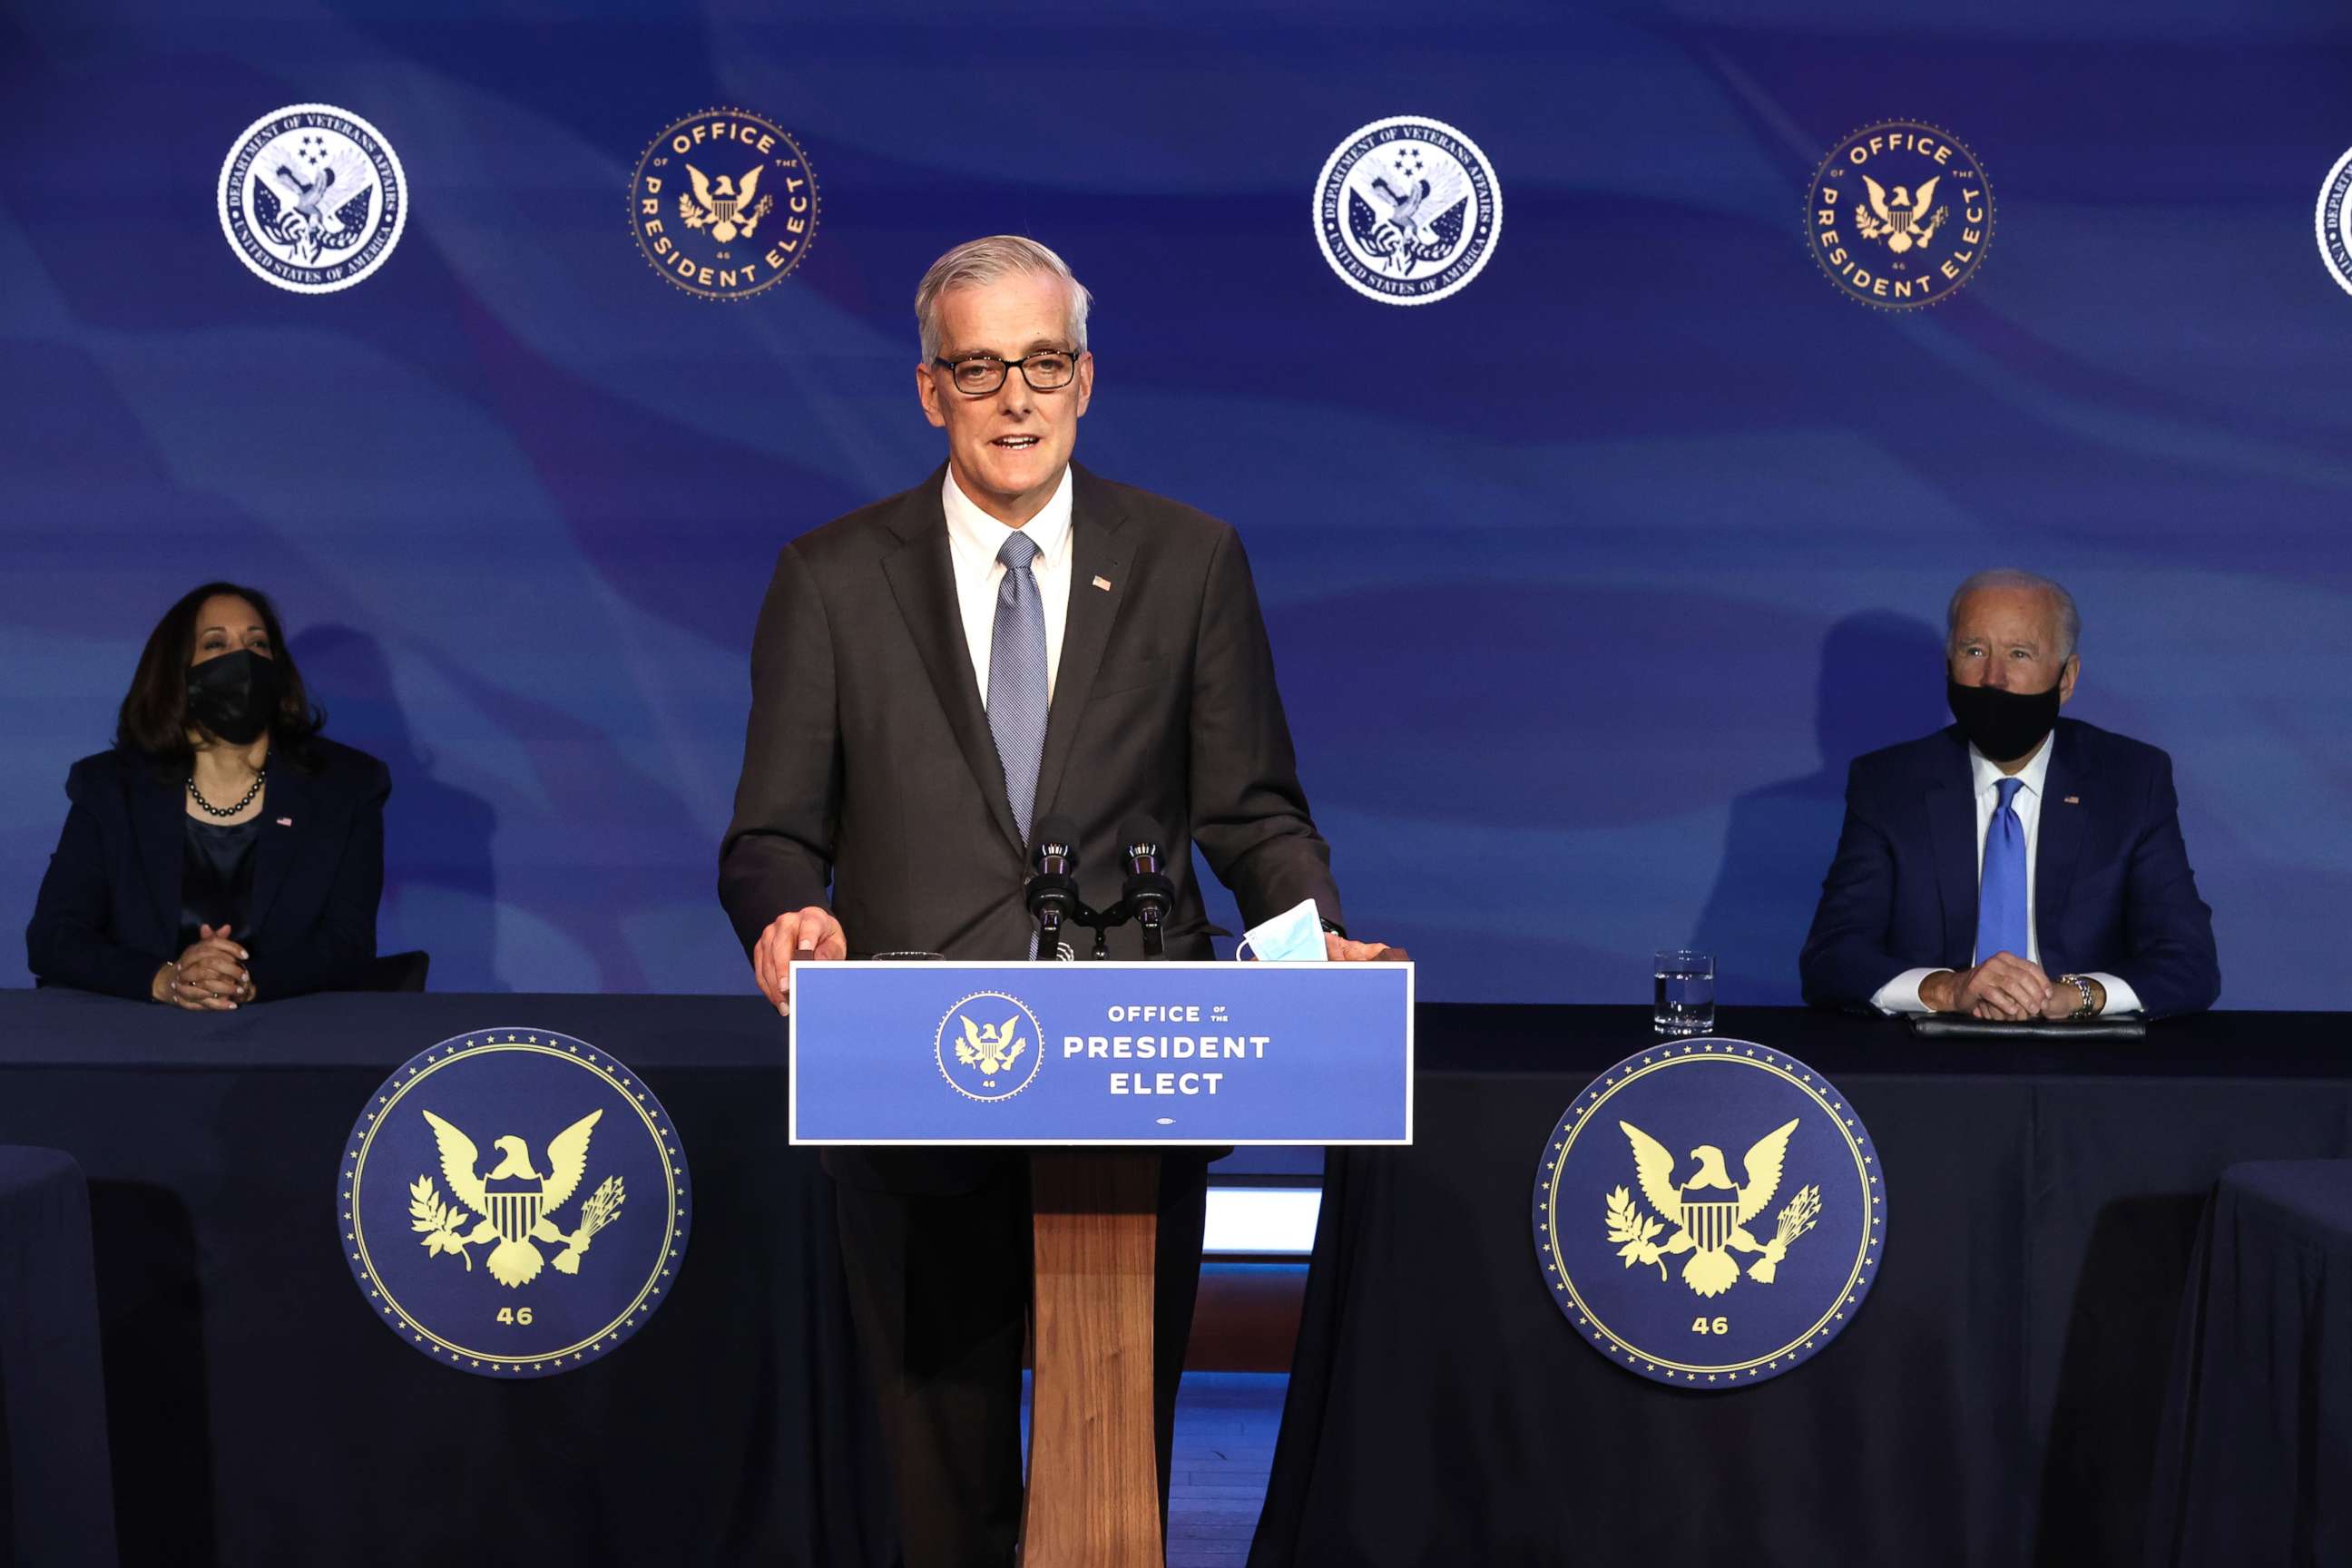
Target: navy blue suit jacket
[(2112, 887), (108, 916)]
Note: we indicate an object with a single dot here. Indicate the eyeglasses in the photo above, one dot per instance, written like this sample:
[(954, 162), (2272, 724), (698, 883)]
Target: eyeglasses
[(1048, 370)]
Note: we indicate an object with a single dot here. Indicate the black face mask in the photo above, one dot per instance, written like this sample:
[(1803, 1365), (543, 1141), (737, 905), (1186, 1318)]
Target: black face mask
[(233, 696), (2003, 725)]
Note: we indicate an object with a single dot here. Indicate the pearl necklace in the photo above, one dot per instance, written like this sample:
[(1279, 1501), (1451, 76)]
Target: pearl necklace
[(224, 811)]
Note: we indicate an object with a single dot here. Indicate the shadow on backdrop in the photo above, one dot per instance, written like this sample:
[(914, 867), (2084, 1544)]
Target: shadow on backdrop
[(440, 892), (1882, 680)]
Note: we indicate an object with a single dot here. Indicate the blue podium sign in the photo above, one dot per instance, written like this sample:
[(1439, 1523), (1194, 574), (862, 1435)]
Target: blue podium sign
[(1101, 1053)]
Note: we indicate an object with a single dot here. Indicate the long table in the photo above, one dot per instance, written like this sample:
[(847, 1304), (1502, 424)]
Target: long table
[(260, 1415), (1995, 1401)]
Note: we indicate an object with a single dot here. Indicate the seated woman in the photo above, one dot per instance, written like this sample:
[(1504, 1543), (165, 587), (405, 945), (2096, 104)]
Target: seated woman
[(221, 852)]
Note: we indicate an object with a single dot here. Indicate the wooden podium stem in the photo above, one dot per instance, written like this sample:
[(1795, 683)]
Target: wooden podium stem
[(1094, 1471)]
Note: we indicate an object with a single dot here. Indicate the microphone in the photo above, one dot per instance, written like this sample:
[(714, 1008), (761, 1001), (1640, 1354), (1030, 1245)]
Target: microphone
[(1149, 893), (1052, 890)]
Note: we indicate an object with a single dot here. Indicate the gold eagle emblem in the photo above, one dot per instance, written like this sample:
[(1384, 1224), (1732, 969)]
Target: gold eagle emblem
[(1709, 1212), (991, 1050), (725, 207), (513, 1201), (1903, 219)]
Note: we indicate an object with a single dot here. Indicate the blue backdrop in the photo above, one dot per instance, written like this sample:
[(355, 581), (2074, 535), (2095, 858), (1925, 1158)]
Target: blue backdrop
[(1585, 584)]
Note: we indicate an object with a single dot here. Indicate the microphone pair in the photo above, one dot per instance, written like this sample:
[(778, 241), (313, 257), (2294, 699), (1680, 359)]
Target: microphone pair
[(1052, 893)]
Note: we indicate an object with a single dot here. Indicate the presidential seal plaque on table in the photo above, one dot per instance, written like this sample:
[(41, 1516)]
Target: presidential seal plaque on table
[(1709, 1212), (513, 1202)]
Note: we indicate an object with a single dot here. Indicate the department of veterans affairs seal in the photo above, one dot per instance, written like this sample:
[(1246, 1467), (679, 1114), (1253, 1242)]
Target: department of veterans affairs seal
[(313, 198), (989, 1046), (513, 1202), (1407, 210), (723, 204), (1709, 1213), (2333, 222), (1900, 215)]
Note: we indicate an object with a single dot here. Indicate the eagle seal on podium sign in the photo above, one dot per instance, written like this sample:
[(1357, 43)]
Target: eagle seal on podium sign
[(477, 1180), (989, 1046), (1677, 1265)]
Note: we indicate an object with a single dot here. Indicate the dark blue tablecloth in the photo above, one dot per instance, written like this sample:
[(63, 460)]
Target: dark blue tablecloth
[(1995, 1404), (260, 1418), (56, 1503), (2256, 1464)]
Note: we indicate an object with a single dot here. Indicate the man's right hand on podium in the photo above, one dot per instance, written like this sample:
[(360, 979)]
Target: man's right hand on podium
[(811, 932)]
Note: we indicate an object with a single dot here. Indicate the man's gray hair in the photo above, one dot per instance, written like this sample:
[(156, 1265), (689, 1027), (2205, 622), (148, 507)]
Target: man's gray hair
[(978, 262), (2069, 619)]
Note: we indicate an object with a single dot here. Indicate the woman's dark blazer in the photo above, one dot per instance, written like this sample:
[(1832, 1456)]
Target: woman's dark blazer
[(109, 913)]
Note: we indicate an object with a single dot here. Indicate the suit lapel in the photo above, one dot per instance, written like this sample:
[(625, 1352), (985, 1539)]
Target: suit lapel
[(1952, 821), (156, 810), (1098, 552), (2057, 846), (922, 580), (278, 844)]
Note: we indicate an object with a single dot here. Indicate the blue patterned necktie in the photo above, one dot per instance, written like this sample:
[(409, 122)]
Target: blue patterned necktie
[(2001, 890), (1017, 678), (1016, 683)]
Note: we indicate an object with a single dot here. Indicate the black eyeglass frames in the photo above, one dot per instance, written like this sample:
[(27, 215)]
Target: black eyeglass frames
[(1047, 370)]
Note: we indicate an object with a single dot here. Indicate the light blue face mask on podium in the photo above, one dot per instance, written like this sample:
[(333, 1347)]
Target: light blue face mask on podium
[(1294, 936)]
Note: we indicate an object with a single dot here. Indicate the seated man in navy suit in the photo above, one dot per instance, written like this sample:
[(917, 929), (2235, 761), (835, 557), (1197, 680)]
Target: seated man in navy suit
[(2016, 865)]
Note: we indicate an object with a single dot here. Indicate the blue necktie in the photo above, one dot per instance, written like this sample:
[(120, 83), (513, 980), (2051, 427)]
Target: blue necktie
[(2000, 892), (1017, 678)]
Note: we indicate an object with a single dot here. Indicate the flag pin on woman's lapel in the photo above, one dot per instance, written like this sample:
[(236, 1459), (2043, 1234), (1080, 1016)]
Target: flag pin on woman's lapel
[(1104, 583)]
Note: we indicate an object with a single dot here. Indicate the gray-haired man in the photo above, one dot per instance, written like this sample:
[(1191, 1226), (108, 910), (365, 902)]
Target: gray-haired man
[(932, 676), (2015, 865)]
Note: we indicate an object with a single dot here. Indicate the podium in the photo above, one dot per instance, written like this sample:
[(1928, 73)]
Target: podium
[(1094, 1068)]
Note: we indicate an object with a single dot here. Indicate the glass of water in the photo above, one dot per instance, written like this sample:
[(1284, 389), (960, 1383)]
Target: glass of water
[(1684, 1003)]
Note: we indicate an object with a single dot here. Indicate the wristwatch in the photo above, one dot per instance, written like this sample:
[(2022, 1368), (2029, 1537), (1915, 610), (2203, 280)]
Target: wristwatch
[(2089, 1005)]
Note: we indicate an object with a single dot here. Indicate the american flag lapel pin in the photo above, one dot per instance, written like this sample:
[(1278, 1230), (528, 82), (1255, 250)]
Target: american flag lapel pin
[(1104, 583), (2074, 800), (285, 822)]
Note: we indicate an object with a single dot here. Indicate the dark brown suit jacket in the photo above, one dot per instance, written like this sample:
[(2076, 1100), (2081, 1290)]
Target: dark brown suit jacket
[(870, 780)]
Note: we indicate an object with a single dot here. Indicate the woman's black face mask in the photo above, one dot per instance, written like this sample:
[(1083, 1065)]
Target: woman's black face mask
[(233, 696)]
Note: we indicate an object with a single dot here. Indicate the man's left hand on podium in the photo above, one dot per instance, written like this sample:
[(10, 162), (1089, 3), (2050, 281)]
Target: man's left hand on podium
[(1340, 950)]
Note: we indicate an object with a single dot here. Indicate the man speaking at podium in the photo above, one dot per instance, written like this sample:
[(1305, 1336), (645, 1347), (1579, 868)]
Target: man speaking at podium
[(933, 676), (2016, 866)]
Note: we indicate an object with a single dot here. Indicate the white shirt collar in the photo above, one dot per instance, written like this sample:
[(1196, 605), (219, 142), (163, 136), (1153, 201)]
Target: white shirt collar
[(1988, 776), (981, 535)]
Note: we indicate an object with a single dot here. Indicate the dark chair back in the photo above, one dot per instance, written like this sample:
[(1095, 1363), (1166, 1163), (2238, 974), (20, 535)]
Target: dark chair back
[(397, 972)]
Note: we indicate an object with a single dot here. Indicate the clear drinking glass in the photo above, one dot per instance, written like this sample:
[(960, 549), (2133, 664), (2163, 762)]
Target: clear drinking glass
[(1684, 1003)]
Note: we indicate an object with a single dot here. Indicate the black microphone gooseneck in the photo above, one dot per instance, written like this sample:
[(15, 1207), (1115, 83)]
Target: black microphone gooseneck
[(1051, 892), (1149, 893)]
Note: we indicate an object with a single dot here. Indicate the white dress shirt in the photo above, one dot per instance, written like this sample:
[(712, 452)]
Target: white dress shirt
[(973, 540), (1901, 995)]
